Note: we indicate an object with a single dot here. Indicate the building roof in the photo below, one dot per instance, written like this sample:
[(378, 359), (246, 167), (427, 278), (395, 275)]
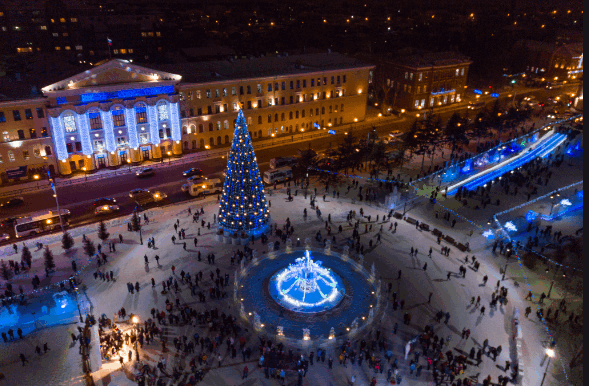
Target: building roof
[(419, 59), (259, 67)]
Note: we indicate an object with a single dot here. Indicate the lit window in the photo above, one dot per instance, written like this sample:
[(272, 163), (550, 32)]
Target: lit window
[(406, 75), (115, 51), (78, 48), (53, 20), (123, 50), (158, 34), (68, 48), (43, 27), (69, 122), (25, 49), (144, 34), (416, 103), (74, 19), (411, 76), (62, 20), (118, 116), (57, 48), (162, 111), (11, 156), (462, 72), (25, 154), (55, 34)]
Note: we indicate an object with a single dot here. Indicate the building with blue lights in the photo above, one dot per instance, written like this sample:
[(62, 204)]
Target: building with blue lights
[(117, 113)]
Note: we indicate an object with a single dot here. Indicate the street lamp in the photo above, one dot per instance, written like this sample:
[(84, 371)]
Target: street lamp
[(56, 199), (129, 163), (135, 320), (550, 354), (169, 157), (85, 174), (553, 197), (553, 278)]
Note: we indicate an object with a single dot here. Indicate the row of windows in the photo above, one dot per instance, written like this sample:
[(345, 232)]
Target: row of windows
[(218, 108), (438, 74), (28, 114), (21, 134), (118, 117), (248, 89), (150, 34), (37, 152), (442, 100)]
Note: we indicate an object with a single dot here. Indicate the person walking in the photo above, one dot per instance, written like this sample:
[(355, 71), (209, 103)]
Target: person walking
[(23, 359), (245, 372), (448, 276), (425, 267), (429, 300)]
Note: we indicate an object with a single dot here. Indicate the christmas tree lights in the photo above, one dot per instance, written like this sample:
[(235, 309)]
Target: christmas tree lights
[(243, 206)]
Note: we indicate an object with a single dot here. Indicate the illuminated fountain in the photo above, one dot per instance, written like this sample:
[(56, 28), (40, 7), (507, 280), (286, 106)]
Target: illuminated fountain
[(306, 286)]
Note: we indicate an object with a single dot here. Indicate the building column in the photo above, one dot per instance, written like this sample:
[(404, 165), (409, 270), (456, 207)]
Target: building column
[(64, 167), (176, 147), (58, 135), (135, 155), (84, 129), (131, 121), (156, 152), (153, 128), (89, 163), (109, 135), (113, 159)]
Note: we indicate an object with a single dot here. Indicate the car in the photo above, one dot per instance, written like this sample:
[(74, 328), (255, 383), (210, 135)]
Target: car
[(193, 172), (475, 105), (9, 222), (394, 133), (4, 237), (104, 201), (145, 172), (12, 202), (136, 192), (106, 209), (195, 179)]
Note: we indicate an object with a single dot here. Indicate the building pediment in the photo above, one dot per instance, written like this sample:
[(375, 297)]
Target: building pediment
[(111, 73)]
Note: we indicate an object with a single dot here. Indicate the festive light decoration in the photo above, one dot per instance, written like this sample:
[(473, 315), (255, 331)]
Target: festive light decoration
[(489, 234), (153, 127), (59, 138), (84, 125), (122, 94), (510, 226), (109, 134), (175, 118), (531, 216), (131, 127), (306, 286), (243, 205)]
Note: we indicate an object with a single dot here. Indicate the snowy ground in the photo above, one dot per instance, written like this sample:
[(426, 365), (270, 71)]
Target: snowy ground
[(389, 257)]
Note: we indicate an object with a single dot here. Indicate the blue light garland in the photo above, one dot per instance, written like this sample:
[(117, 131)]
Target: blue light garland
[(84, 129), (175, 118), (59, 138), (131, 127), (243, 204), (153, 126), (109, 134)]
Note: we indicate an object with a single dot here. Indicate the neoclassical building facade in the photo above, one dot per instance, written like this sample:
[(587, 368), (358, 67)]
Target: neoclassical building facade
[(113, 115)]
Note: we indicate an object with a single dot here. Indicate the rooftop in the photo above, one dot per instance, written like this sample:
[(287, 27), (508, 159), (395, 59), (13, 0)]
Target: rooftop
[(259, 67), (418, 59)]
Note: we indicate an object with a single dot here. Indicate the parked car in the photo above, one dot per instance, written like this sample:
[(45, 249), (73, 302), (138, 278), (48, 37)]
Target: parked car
[(145, 172), (8, 223), (196, 179), (12, 202), (475, 105), (193, 172), (104, 201), (4, 237), (106, 209)]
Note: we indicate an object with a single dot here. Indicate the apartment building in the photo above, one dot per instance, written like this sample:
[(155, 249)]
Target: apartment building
[(425, 80)]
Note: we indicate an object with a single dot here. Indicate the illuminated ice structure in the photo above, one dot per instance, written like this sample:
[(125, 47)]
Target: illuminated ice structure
[(306, 286)]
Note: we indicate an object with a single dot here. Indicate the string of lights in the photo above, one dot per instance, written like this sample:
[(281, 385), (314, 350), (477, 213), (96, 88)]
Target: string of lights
[(243, 205)]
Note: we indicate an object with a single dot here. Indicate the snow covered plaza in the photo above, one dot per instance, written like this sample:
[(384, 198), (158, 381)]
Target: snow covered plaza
[(408, 253)]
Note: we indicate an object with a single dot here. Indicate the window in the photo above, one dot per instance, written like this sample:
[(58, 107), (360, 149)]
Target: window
[(249, 105), (322, 109), (198, 95), (282, 101), (275, 101), (420, 76), (240, 90), (44, 132), (291, 84), (330, 109), (335, 108), (269, 118), (140, 114), (199, 111), (324, 80), (409, 89), (298, 84), (208, 93), (462, 72), (405, 88), (62, 20), (69, 147), (313, 82), (210, 126), (33, 133), (276, 86), (16, 115), (217, 93), (333, 80), (209, 109), (406, 75), (69, 122), (123, 50), (302, 113), (342, 108), (235, 106), (249, 90), (43, 28), (284, 85), (40, 113), (118, 117), (233, 91), (74, 19), (217, 109), (304, 83), (224, 91), (259, 119), (158, 33), (291, 100), (297, 114), (168, 132), (290, 115), (36, 152), (225, 109), (2, 117), (452, 98), (275, 117), (218, 125), (424, 88), (249, 123), (416, 103), (269, 87), (21, 134), (191, 111), (11, 156), (28, 114), (344, 78), (411, 76), (260, 103), (418, 89)]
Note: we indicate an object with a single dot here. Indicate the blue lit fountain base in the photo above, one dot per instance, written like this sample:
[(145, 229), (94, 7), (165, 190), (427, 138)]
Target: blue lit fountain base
[(306, 286)]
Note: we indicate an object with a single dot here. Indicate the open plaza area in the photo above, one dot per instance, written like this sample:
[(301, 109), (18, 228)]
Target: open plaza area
[(336, 289)]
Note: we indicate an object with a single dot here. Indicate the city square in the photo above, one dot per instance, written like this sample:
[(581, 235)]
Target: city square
[(289, 210)]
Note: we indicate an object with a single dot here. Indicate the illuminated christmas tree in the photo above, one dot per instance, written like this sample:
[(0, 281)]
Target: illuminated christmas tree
[(243, 206)]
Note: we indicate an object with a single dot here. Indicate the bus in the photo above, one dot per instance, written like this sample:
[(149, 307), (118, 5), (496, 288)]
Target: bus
[(277, 175), (39, 223), (279, 162)]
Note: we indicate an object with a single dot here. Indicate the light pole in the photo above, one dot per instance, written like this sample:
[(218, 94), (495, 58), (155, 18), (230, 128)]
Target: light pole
[(56, 200), (85, 174), (135, 320), (129, 163), (169, 157), (550, 354), (553, 198), (552, 282)]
